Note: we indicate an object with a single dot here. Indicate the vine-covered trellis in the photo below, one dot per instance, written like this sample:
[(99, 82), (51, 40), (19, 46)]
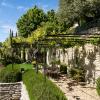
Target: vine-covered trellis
[(48, 42)]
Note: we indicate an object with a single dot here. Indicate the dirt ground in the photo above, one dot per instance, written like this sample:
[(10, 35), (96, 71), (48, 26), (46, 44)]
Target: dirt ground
[(76, 92)]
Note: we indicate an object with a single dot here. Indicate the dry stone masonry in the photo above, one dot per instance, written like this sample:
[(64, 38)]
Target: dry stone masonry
[(10, 91)]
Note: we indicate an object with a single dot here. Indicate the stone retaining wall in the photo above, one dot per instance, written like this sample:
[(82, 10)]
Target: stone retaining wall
[(10, 91)]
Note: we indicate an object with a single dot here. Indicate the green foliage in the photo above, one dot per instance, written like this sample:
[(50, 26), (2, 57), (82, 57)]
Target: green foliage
[(51, 16), (70, 10), (78, 74), (50, 28), (80, 11), (26, 66), (95, 8), (53, 26), (19, 66), (0, 44), (30, 21), (36, 35), (98, 86), (35, 18), (8, 59), (38, 89), (63, 69), (9, 75)]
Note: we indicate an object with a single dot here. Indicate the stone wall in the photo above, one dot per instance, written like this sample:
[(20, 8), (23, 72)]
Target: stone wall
[(10, 91), (94, 30)]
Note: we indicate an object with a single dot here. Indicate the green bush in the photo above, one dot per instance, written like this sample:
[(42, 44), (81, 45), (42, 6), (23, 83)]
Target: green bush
[(8, 75), (38, 89), (63, 69), (7, 59), (78, 74), (98, 86)]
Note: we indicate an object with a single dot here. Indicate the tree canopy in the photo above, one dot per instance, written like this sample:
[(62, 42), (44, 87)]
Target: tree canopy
[(30, 21), (79, 11), (36, 23)]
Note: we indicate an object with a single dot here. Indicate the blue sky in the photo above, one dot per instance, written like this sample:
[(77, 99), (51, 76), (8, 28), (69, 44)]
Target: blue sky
[(11, 10)]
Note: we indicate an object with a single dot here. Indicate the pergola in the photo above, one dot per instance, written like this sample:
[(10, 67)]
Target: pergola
[(45, 43), (58, 39)]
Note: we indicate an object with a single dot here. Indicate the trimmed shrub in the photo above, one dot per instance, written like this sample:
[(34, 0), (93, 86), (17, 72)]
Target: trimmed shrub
[(7, 76)]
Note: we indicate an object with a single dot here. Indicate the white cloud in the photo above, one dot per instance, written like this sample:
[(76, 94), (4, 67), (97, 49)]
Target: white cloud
[(6, 5), (22, 8)]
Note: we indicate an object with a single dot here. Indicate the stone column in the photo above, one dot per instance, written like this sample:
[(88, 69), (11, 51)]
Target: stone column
[(26, 54), (22, 54), (47, 58)]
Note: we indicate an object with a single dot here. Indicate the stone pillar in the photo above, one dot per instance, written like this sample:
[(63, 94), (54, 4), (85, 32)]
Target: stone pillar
[(22, 54), (47, 58), (26, 54)]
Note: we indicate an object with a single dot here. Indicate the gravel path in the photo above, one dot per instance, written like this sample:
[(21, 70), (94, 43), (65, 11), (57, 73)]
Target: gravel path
[(78, 92), (24, 93)]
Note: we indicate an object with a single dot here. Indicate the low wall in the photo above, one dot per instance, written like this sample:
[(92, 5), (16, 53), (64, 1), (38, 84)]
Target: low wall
[(10, 91)]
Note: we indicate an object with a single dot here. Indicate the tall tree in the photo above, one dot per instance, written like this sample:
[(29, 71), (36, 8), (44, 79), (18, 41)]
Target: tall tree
[(0, 44), (30, 21), (70, 10), (73, 11)]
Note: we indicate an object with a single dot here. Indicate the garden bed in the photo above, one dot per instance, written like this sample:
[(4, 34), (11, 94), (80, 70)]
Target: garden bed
[(39, 89)]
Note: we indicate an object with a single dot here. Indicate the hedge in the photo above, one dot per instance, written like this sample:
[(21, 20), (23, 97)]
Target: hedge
[(39, 89)]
